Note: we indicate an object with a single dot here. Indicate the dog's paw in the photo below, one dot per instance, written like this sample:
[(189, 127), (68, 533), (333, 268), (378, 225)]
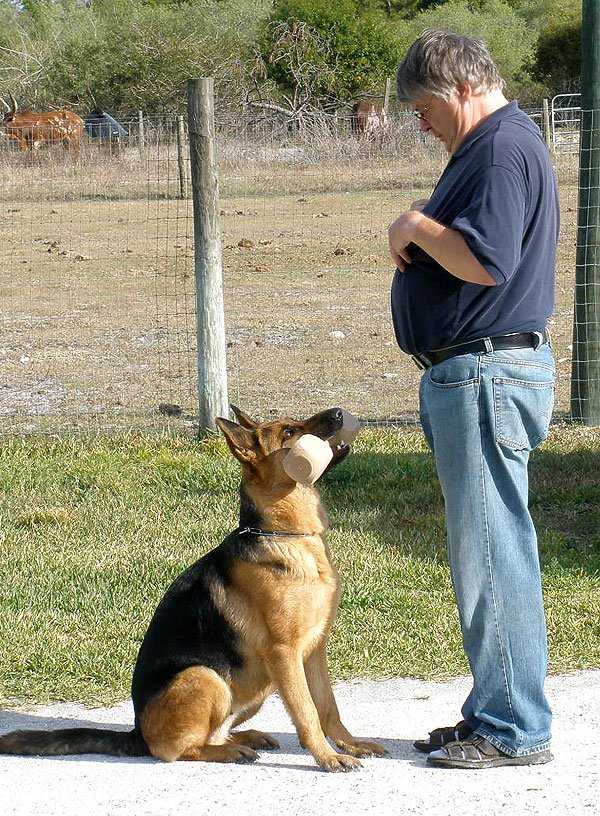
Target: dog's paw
[(339, 763), (363, 748), (241, 753), (254, 739)]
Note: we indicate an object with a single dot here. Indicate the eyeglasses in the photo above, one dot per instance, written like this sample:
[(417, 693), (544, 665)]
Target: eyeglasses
[(421, 114)]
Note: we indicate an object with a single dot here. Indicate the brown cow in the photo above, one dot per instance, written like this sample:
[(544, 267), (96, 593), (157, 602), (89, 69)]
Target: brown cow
[(32, 130), (368, 118)]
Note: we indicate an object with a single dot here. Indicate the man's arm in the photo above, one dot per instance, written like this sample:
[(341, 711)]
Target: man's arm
[(444, 245)]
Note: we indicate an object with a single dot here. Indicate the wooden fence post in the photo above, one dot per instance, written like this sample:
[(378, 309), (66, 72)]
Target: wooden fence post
[(180, 159), (386, 97), (546, 129), (141, 134), (210, 320)]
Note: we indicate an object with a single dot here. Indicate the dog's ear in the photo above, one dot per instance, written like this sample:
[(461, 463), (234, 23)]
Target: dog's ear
[(241, 441), (244, 420)]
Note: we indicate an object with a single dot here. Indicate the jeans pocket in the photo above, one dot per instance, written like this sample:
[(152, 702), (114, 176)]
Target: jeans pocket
[(522, 411), (456, 372), (458, 384)]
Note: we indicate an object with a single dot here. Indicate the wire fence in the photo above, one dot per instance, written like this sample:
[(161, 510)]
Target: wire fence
[(565, 122), (585, 386), (97, 273), (98, 325)]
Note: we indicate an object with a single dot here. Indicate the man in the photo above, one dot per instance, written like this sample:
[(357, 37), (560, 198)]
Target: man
[(471, 296)]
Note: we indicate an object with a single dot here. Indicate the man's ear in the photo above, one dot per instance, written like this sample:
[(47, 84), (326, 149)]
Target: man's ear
[(241, 441), (244, 420), (465, 91)]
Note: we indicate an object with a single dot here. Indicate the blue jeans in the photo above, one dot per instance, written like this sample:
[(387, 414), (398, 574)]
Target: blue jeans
[(482, 415)]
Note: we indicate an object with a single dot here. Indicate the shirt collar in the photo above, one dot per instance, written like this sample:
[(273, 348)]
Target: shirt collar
[(483, 127)]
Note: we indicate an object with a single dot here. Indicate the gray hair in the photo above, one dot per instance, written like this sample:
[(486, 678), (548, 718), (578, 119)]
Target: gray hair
[(439, 61)]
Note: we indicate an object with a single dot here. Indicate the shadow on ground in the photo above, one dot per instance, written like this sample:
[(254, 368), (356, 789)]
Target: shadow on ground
[(288, 741), (380, 493)]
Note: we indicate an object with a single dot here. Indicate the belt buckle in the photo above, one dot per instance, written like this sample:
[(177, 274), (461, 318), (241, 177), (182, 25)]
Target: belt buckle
[(421, 361), (541, 339)]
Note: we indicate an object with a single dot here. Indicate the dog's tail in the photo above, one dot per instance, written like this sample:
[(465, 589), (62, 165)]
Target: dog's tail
[(74, 741)]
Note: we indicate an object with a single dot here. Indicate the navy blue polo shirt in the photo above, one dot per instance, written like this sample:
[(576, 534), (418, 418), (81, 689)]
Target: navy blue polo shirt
[(499, 191)]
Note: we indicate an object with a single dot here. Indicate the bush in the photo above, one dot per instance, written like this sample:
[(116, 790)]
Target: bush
[(508, 36), (359, 51), (558, 58), (121, 54)]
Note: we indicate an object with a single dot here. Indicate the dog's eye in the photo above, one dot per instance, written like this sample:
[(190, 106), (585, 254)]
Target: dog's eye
[(288, 433)]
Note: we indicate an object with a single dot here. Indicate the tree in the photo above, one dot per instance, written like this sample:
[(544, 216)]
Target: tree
[(558, 53), (297, 55), (122, 54), (510, 40), (402, 8), (360, 50)]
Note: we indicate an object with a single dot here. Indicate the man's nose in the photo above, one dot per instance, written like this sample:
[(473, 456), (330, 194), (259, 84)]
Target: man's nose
[(424, 125)]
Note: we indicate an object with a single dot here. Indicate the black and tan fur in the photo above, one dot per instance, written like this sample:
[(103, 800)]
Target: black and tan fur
[(249, 618)]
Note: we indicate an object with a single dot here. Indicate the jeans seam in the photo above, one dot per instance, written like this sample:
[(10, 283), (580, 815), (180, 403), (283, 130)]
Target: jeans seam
[(524, 383), (489, 561), (483, 731), (491, 360), (461, 384)]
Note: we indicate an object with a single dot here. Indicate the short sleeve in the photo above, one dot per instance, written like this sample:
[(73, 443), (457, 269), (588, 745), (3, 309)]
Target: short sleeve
[(493, 222)]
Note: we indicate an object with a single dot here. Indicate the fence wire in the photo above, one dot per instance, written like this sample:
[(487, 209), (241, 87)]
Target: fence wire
[(585, 384), (98, 325)]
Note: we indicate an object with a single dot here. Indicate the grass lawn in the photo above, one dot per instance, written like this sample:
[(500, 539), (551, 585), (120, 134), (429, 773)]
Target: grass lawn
[(93, 530)]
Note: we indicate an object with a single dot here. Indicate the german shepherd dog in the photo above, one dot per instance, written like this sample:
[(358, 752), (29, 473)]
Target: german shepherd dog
[(249, 618)]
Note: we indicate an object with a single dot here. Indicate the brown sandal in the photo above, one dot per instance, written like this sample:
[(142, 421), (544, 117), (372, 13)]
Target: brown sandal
[(476, 752), (441, 736)]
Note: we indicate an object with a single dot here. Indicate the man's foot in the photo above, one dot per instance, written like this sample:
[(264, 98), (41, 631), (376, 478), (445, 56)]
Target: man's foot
[(476, 752), (442, 736)]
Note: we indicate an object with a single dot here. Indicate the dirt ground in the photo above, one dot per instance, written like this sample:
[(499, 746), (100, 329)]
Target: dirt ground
[(97, 281)]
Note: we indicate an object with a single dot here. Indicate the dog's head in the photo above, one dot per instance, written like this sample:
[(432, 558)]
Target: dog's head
[(262, 447)]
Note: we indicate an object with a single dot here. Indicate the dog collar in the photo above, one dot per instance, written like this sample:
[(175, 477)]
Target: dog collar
[(257, 531)]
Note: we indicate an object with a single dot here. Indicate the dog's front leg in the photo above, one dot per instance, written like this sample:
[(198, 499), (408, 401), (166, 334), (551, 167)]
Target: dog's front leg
[(287, 671), (319, 683)]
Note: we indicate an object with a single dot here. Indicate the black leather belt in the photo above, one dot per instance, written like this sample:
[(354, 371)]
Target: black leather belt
[(486, 344)]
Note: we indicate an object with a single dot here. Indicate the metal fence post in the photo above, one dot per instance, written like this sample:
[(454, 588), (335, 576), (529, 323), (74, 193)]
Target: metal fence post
[(210, 321), (585, 372), (180, 159)]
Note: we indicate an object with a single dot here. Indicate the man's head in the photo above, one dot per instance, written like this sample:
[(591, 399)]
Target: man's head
[(451, 82)]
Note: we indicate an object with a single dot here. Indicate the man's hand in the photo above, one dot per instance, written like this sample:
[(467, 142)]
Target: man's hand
[(419, 204), (400, 235), (444, 245)]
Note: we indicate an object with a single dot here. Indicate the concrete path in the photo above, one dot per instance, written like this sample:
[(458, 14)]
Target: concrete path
[(288, 782)]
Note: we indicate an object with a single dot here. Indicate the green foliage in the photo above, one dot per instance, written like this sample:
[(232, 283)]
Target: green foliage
[(359, 49), (510, 40), (138, 53), (402, 8), (8, 24), (558, 58), (125, 54)]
